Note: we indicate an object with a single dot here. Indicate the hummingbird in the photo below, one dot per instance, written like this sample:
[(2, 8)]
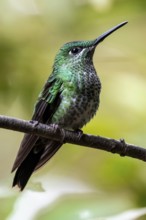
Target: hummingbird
[(69, 99)]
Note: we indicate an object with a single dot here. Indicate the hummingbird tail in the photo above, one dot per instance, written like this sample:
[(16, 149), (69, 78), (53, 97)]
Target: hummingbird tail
[(26, 168), (36, 158)]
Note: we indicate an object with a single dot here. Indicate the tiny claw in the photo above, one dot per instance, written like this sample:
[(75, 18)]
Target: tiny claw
[(35, 123), (57, 127), (79, 133), (54, 126)]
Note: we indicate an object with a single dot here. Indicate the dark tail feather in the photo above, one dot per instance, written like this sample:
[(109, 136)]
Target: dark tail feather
[(27, 167)]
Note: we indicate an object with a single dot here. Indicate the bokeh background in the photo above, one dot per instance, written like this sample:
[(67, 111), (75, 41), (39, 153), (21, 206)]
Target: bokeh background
[(77, 183)]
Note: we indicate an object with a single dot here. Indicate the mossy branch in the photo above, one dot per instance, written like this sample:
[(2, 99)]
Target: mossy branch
[(72, 137)]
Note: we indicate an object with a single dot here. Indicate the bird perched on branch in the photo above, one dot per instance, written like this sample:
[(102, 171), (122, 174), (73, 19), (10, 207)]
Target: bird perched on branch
[(70, 98)]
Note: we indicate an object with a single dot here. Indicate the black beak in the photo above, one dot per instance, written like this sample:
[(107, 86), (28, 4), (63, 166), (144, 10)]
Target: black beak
[(107, 33)]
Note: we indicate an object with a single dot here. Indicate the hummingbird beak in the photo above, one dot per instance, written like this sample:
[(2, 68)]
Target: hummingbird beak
[(107, 33)]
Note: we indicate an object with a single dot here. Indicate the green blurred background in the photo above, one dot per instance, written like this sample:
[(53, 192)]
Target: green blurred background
[(83, 183)]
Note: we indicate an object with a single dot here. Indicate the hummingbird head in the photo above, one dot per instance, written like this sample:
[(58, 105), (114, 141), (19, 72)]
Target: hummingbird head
[(75, 53)]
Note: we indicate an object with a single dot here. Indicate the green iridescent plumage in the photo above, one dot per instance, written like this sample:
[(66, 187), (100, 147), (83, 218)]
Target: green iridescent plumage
[(70, 98)]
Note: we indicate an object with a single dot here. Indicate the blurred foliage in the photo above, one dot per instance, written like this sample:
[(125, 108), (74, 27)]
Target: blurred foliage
[(30, 34)]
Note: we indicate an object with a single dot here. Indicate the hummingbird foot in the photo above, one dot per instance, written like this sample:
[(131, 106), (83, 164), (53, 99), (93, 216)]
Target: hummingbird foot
[(79, 133), (35, 123), (57, 129)]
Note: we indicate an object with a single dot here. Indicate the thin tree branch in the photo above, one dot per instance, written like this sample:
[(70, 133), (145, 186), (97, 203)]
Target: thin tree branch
[(65, 136)]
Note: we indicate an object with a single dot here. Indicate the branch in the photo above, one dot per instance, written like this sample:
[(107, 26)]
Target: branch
[(59, 134)]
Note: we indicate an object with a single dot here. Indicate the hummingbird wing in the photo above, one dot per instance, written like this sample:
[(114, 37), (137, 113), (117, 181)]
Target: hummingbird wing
[(50, 150), (46, 106)]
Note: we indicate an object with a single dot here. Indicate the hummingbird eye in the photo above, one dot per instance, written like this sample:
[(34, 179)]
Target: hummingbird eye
[(75, 50)]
